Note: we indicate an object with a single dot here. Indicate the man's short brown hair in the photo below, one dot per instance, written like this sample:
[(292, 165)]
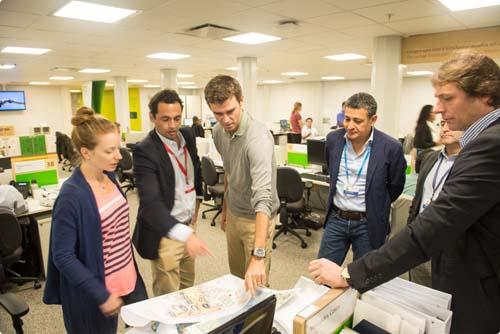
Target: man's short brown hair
[(222, 88), (476, 74)]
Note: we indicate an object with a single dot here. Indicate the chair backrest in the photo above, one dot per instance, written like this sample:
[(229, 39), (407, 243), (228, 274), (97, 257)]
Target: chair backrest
[(126, 161), (10, 233), (68, 149), (289, 184), (208, 171)]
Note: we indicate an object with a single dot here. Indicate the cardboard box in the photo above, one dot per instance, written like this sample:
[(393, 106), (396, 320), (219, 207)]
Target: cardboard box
[(327, 315)]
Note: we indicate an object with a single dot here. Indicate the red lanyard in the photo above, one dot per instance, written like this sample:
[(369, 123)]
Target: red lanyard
[(182, 167)]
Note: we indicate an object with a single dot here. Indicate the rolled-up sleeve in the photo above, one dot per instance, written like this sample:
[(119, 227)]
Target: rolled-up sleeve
[(260, 157)]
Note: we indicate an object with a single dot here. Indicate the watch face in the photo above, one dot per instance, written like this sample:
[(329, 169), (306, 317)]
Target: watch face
[(259, 252)]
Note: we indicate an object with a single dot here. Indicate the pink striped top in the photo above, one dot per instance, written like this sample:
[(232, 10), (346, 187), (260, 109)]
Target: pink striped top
[(119, 269)]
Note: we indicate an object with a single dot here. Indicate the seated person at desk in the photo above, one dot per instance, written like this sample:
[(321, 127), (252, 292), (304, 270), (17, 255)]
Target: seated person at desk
[(308, 131), (12, 200), (197, 128), (367, 173), (91, 268)]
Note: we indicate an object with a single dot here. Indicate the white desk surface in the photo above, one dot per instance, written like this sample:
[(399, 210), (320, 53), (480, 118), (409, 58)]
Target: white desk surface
[(34, 205)]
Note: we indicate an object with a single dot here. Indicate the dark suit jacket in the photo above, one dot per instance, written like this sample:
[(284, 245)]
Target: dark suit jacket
[(460, 230), (198, 131), (155, 180), (385, 179), (427, 164)]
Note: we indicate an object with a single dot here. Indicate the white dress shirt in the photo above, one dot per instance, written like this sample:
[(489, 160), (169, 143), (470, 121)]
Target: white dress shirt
[(305, 131)]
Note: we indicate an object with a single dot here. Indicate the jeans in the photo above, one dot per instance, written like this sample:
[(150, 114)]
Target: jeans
[(339, 234)]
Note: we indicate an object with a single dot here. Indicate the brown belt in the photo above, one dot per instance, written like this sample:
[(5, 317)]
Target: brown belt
[(350, 215)]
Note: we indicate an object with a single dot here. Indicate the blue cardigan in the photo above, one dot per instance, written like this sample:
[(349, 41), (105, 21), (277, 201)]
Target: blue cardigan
[(75, 275), (385, 179)]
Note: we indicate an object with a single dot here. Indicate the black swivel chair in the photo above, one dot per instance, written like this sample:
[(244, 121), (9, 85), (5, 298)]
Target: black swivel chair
[(292, 204), (125, 171), (65, 151), (11, 303), (212, 188)]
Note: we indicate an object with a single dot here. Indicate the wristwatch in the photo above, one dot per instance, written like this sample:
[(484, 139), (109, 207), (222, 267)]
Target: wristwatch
[(259, 253), (345, 275)]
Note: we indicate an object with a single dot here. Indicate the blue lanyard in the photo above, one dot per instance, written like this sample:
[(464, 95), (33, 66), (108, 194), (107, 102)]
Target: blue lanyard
[(365, 158), (444, 176)]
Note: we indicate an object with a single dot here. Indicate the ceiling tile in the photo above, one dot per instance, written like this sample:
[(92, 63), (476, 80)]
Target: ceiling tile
[(355, 4), (300, 9), (426, 25), (401, 11), (341, 20)]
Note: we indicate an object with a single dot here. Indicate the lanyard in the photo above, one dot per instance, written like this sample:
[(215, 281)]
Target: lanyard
[(443, 177), (182, 167), (365, 158)]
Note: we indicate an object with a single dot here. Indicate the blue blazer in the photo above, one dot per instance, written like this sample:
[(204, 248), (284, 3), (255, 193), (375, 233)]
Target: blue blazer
[(385, 179)]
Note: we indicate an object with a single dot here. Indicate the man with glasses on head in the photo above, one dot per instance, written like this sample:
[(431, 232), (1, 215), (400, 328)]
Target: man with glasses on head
[(251, 200), (459, 230)]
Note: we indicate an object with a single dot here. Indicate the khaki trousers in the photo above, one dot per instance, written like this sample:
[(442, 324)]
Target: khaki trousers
[(240, 236), (173, 270)]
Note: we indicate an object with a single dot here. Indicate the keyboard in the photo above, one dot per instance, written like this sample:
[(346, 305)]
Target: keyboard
[(316, 177)]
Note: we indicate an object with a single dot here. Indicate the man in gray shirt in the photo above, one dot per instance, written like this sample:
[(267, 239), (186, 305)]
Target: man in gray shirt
[(12, 200), (251, 200)]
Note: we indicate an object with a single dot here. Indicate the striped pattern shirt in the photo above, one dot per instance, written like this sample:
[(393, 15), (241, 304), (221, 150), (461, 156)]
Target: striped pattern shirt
[(475, 129), (119, 269)]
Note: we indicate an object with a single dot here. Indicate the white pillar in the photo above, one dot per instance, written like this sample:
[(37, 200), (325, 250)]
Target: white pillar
[(247, 76), (87, 93), (168, 78), (122, 107), (386, 82)]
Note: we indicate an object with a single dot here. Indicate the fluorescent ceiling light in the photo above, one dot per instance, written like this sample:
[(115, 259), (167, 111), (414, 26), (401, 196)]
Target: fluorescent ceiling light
[(345, 56), (333, 77), (419, 73), (294, 74), (272, 81), (183, 83), (136, 81), (93, 12), (40, 83), (7, 66), (108, 84), (252, 38), (26, 51), (94, 70), (167, 55), (232, 68), (456, 5), (151, 86), (75, 91), (190, 87), (184, 75), (61, 78)]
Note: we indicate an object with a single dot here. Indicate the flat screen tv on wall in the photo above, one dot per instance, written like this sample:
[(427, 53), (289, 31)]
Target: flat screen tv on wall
[(12, 100)]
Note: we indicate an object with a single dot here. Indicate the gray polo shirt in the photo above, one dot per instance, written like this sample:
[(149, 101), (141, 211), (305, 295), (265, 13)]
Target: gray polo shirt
[(248, 158)]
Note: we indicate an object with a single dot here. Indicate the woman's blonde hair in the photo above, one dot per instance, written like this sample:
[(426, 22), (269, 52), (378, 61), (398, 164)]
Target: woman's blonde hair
[(87, 125)]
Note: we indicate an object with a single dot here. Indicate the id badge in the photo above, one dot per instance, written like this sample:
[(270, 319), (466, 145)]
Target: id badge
[(351, 191)]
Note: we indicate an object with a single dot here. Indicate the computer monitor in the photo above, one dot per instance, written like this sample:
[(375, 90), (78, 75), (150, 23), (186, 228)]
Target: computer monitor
[(284, 125), (257, 319), (316, 153)]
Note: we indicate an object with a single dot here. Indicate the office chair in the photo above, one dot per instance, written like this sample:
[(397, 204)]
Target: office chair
[(14, 306), (212, 189), (125, 172), (66, 150), (294, 138), (292, 205), (11, 249)]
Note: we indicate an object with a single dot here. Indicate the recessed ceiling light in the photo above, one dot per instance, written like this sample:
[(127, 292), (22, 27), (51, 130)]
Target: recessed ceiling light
[(168, 55), (333, 77), (7, 66), (26, 51), (61, 78), (294, 74), (151, 86), (93, 12), (456, 5), (272, 81), (184, 75), (232, 68), (94, 70), (419, 73), (190, 87), (252, 38), (75, 91), (136, 81), (40, 83), (183, 83), (345, 56)]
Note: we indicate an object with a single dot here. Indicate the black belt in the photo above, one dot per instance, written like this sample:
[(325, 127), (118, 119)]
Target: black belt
[(350, 215)]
